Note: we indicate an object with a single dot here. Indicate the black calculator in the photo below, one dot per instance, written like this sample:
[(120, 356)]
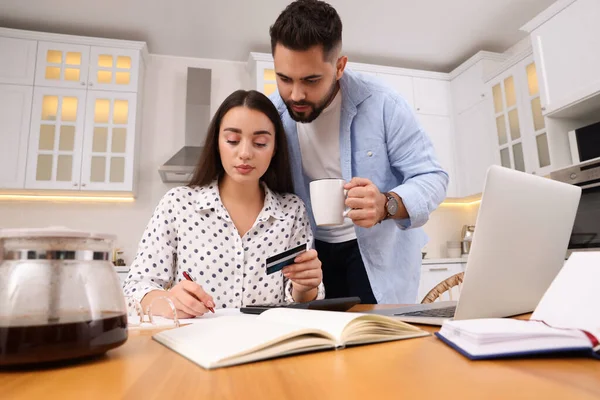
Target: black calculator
[(336, 304)]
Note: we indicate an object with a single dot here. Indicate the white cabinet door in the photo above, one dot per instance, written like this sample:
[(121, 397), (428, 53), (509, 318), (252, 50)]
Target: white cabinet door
[(15, 113), (55, 139), (62, 65), (468, 89), (432, 274), (475, 147), (567, 56), (439, 129), (114, 69), (109, 141), (17, 60), (432, 96), (402, 84)]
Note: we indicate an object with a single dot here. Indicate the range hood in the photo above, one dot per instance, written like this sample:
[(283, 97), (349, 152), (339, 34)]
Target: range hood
[(180, 167)]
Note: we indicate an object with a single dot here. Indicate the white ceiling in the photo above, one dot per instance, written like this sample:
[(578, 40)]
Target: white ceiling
[(426, 34)]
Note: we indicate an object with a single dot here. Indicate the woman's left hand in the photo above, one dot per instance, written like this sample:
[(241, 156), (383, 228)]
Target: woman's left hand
[(305, 273)]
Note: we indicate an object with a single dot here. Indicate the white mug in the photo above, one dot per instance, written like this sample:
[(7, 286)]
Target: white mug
[(327, 197)]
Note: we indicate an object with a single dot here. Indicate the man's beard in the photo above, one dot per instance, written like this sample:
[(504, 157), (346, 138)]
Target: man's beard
[(306, 117)]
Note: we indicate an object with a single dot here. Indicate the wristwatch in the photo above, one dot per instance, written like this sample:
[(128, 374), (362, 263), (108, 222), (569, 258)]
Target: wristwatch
[(391, 206)]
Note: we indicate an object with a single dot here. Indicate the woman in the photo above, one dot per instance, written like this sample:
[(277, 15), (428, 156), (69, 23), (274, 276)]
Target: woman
[(235, 213)]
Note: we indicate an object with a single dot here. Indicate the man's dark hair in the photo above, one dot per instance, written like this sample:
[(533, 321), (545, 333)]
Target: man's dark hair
[(307, 23)]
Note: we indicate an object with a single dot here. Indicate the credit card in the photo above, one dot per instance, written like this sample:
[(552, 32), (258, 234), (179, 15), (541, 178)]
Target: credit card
[(278, 261)]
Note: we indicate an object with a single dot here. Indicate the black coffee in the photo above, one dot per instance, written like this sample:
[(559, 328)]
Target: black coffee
[(22, 344)]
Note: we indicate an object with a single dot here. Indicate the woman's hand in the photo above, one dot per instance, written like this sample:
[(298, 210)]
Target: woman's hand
[(306, 275), (189, 298)]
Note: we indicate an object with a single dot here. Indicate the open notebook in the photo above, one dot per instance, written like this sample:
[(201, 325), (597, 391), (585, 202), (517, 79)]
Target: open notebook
[(566, 320), (231, 340)]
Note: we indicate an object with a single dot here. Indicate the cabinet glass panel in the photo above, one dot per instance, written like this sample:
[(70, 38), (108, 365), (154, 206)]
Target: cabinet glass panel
[(117, 169), (518, 156), (511, 94), (100, 139), (73, 58), (104, 76), (501, 128), (64, 168), (71, 74), (54, 57), (105, 61), (49, 108), (44, 167), (67, 138), (124, 62), (119, 137), (269, 75), (120, 112), (46, 137), (505, 158), (122, 78), (101, 111), (536, 111), (532, 81), (543, 150), (513, 122), (497, 94), (269, 88), (69, 109), (98, 169), (52, 73)]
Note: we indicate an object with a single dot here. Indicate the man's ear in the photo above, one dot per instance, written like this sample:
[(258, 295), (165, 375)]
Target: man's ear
[(340, 65)]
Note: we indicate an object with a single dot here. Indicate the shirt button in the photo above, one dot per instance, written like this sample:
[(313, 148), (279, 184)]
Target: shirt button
[(369, 153)]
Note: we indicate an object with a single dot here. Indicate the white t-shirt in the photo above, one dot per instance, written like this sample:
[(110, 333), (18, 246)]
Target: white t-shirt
[(320, 147)]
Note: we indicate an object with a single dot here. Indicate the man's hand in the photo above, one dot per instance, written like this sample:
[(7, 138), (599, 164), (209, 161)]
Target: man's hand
[(366, 201)]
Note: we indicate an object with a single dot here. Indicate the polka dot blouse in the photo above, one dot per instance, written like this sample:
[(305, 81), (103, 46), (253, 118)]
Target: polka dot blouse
[(191, 231)]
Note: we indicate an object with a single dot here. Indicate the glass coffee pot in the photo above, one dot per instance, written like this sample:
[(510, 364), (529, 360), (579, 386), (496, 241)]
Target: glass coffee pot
[(60, 296)]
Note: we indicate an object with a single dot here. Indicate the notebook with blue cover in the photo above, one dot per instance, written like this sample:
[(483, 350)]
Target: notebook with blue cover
[(565, 322)]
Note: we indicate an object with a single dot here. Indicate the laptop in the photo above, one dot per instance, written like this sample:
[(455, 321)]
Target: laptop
[(523, 229)]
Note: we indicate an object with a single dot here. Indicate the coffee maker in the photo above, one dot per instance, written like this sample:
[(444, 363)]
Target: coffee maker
[(466, 238)]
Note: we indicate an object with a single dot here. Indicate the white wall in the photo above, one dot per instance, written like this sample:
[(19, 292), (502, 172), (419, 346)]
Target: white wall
[(163, 133)]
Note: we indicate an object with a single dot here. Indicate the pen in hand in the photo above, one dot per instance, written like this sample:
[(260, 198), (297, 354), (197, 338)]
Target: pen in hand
[(189, 278)]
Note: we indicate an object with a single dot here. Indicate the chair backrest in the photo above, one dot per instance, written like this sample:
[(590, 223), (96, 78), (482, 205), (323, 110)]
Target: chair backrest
[(447, 286)]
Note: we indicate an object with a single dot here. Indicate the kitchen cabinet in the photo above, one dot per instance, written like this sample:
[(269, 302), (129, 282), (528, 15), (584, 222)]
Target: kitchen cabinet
[(519, 126), (432, 274), (68, 65), (474, 147), (432, 96), (402, 84), (17, 64), (565, 40), (15, 111), (77, 127), (440, 131)]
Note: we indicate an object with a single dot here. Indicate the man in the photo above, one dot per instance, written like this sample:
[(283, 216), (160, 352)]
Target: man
[(341, 124)]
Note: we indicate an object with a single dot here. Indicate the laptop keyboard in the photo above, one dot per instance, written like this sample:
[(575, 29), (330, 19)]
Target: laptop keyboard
[(446, 312)]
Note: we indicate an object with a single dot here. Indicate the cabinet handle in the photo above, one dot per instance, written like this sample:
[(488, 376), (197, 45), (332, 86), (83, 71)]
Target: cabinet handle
[(418, 108), (543, 108), (438, 269), (482, 94), (74, 184), (91, 83), (83, 185), (82, 83)]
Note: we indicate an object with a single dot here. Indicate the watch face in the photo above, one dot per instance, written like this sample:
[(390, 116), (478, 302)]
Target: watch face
[(392, 206)]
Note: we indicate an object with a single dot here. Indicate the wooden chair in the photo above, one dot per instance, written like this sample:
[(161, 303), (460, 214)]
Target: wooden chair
[(445, 286)]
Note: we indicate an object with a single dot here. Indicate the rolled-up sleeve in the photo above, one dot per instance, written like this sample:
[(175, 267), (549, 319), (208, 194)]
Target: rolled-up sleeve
[(412, 156)]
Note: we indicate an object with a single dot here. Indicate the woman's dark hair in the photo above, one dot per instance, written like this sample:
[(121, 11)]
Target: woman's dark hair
[(307, 23), (278, 176)]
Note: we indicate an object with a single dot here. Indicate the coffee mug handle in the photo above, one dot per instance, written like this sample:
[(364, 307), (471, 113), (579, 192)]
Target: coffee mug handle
[(347, 209)]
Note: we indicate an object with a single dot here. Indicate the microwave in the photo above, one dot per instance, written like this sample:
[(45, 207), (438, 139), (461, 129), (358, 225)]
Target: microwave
[(586, 229), (585, 143)]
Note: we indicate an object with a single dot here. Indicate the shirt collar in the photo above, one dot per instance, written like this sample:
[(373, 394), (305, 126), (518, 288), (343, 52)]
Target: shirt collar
[(209, 198)]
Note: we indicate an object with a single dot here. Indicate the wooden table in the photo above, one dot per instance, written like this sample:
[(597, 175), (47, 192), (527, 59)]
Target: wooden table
[(416, 368)]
